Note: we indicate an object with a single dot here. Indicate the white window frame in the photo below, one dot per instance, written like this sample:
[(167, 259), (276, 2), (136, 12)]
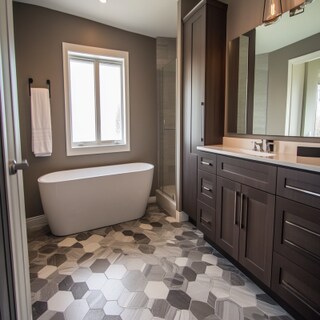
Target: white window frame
[(73, 50)]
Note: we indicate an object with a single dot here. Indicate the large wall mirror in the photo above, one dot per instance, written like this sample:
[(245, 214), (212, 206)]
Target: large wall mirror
[(274, 78)]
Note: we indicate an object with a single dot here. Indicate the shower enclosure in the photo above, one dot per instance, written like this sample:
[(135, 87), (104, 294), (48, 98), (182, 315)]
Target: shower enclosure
[(167, 128)]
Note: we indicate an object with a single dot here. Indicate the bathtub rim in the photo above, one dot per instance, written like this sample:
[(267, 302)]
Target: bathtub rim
[(62, 175)]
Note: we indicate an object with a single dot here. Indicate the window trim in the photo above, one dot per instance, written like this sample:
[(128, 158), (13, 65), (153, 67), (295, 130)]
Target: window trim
[(71, 50)]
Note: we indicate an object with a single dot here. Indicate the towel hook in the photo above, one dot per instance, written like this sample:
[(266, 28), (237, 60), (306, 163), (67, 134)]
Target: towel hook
[(49, 87), (30, 83)]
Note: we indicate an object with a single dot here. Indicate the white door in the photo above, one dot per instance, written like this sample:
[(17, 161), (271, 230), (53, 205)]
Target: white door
[(11, 151)]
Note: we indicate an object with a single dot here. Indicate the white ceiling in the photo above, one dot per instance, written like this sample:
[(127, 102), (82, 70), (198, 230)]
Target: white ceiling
[(154, 18)]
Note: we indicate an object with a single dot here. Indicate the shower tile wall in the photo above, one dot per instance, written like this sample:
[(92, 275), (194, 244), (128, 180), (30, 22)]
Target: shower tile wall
[(166, 75)]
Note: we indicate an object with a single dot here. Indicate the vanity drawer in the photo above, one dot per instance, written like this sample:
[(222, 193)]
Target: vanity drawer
[(297, 234), (207, 188), (207, 162), (301, 186), (206, 220), (297, 287), (257, 175)]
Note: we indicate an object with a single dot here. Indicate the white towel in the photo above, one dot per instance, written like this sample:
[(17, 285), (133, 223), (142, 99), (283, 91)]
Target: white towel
[(41, 122)]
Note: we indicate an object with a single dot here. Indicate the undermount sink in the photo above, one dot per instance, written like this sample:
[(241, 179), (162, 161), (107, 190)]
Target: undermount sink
[(257, 153)]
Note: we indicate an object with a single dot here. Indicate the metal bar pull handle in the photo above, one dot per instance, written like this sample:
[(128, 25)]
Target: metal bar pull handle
[(202, 121), (303, 191), (241, 210), (235, 208), (206, 163), (207, 189), (14, 166), (205, 221)]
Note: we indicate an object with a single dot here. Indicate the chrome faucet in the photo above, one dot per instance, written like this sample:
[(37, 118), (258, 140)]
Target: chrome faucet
[(258, 146)]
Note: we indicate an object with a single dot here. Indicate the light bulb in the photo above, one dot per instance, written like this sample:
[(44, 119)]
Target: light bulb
[(103, 1)]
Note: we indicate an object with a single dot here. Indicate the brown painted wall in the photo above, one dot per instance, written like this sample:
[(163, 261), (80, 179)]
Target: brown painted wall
[(244, 15), (39, 34)]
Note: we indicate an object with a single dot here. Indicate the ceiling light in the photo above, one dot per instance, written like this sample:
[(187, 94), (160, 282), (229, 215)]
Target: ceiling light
[(272, 11), (103, 1)]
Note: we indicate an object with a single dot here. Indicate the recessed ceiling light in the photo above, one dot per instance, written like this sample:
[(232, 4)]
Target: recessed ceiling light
[(103, 1)]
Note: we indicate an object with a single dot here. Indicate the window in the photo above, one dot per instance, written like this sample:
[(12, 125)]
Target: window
[(96, 100)]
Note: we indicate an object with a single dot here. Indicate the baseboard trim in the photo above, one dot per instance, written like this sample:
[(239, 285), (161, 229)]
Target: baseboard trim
[(37, 222)]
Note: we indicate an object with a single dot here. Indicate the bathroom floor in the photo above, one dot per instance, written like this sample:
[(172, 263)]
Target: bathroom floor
[(151, 268)]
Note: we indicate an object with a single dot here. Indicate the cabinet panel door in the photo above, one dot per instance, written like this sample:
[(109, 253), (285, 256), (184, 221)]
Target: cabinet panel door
[(256, 232), (198, 79), (297, 234), (207, 188), (206, 220), (297, 287), (227, 215)]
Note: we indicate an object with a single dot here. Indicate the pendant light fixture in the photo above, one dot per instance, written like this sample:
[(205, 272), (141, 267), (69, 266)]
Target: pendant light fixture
[(272, 11)]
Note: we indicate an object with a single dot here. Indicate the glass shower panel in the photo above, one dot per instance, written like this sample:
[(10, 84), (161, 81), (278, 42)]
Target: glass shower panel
[(168, 129)]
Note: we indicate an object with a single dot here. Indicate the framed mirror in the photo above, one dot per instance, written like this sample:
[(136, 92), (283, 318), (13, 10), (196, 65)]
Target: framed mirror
[(274, 78)]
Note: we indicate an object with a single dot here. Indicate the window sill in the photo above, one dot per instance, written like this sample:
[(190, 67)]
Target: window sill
[(87, 150)]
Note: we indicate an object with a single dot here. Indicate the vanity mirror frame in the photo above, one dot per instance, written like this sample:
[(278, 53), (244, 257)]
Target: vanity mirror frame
[(232, 94)]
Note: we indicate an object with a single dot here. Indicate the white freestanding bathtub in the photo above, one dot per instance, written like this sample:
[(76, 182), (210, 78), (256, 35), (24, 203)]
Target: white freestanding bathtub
[(84, 199)]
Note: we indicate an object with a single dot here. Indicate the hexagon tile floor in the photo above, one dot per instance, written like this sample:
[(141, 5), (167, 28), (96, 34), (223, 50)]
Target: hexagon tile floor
[(151, 268)]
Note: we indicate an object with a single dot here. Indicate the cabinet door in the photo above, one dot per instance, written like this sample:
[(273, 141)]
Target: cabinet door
[(227, 215), (194, 77), (206, 220), (256, 232)]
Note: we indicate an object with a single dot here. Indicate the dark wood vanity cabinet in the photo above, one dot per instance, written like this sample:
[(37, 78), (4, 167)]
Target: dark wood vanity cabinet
[(266, 217), (204, 49), (245, 215), (296, 259)]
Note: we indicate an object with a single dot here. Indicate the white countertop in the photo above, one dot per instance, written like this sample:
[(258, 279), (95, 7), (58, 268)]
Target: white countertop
[(288, 160)]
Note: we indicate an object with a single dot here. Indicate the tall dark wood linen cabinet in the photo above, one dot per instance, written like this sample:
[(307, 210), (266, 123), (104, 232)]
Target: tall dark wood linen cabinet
[(204, 53)]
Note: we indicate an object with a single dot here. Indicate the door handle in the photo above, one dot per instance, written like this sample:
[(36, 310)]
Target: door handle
[(202, 121), (14, 166)]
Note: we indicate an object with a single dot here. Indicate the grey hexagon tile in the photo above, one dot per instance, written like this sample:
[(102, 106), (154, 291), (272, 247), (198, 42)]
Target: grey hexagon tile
[(39, 308), (160, 308), (179, 299), (112, 308), (199, 290), (146, 248), (79, 289), (60, 301), (77, 310), (66, 283), (242, 296), (134, 281), (116, 271), (201, 310), (227, 309), (154, 273), (57, 259), (96, 299), (136, 314), (96, 281), (95, 315), (48, 291), (100, 265), (156, 290), (150, 268), (81, 275), (112, 289), (38, 284), (189, 274)]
